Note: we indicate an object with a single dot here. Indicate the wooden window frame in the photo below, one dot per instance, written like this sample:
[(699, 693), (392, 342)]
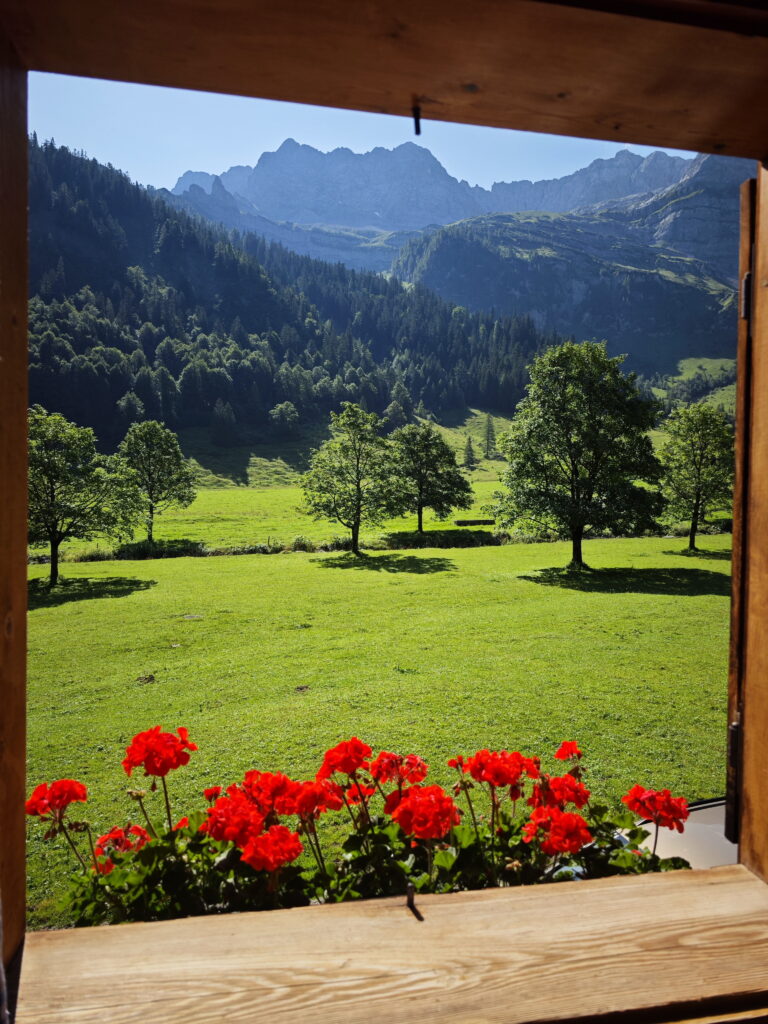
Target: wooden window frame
[(687, 73)]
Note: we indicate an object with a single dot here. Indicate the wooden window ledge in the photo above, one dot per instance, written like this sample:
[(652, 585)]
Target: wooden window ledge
[(681, 946)]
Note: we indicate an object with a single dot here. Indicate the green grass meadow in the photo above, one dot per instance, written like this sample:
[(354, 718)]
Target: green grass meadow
[(268, 660)]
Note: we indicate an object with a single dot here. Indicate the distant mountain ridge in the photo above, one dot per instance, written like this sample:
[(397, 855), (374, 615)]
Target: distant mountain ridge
[(652, 274), (641, 251), (407, 188)]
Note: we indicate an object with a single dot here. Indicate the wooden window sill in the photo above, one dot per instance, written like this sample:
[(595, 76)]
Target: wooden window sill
[(682, 946)]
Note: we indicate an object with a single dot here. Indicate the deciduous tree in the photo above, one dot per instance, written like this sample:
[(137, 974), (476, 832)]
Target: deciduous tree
[(161, 473), (578, 448), (427, 465), (697, 463), (352, 478), (73, 491)]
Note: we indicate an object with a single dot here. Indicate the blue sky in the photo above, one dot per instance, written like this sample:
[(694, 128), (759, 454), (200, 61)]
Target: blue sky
[(156, 134)]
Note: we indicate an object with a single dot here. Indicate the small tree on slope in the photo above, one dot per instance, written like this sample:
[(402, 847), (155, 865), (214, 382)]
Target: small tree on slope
[(697, 461), (73, 491), (578, 446), (162, 475), (352, 478), (427, 465)]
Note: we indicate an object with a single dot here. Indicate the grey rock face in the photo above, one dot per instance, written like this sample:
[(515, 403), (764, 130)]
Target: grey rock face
[(697, 216), (407, 188)]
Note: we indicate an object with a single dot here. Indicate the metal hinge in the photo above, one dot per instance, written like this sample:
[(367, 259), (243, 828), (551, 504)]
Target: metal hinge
[(745, 301)]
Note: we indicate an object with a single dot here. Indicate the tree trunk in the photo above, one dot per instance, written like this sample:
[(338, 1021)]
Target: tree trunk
[(356, 538), (151, 524), (54, 577), (577, 534), (420, 513), (694, 524)]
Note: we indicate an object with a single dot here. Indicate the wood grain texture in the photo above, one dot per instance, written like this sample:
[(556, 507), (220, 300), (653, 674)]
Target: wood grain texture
[(519, 64), (13, 490), (739, 560), (692, 942), (753, 848)]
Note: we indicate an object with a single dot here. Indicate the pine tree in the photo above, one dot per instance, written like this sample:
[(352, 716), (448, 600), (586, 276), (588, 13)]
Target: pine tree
[(490, 437), (470, 459)]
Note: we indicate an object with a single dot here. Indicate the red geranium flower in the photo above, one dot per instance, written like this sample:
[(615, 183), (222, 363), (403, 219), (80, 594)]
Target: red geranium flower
[(501, 767), (158, 752), (314, 798), (271, 792), (398, 768), (51, 801), (118, 840), (234, 818), (212, 793), (358, 794), (659, 806), (558, 791), (426, 812), (346, 758), (567, 750), (271, 850), (561, 832)]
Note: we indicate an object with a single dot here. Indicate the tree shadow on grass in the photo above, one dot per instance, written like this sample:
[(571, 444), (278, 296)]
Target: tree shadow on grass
[(724, 556), (83, 589), (668, 582), (388, 563)]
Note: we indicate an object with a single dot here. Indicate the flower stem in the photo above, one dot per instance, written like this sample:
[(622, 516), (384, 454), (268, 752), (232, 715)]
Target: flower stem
[(363, 803), (472, 812), (655, 839), (75, 850), (150, 827), (90, 843), (167, 804)]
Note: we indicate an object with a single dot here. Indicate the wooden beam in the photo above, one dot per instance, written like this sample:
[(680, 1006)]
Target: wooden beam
[(13, 491), (526, 64), (683, 945), (753, 849)]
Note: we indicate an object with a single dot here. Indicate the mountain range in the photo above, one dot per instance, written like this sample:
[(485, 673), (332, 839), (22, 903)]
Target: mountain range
[(361, 208), (641, 251)]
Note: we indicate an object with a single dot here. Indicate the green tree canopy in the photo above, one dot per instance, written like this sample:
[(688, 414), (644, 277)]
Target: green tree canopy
[(427, 465), (352, 478), (74, 491), (578, 448), (697, 463), (162, 475)]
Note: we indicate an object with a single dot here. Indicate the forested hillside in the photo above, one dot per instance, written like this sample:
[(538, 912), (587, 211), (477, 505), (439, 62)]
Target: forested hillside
[(581, 274), (138, 310)]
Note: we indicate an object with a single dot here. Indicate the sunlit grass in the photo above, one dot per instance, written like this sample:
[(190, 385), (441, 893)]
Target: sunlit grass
[(270, 659)]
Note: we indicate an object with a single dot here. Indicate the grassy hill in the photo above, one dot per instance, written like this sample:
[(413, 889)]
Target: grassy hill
[(268, 661)]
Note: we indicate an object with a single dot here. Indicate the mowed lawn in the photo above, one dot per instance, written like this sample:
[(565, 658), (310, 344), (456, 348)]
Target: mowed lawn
[(268, 660)]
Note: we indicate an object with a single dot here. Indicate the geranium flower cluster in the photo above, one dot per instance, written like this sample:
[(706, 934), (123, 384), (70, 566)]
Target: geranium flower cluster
[(117, 840), (50, 802), (658, 806), (158, 752), (271, 819)]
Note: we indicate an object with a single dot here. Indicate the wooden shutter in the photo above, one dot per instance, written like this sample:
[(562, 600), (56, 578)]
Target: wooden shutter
[(740, 503), (748, 684)]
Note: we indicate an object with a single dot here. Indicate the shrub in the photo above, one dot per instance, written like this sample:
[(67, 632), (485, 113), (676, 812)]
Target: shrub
[(302, 544)]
